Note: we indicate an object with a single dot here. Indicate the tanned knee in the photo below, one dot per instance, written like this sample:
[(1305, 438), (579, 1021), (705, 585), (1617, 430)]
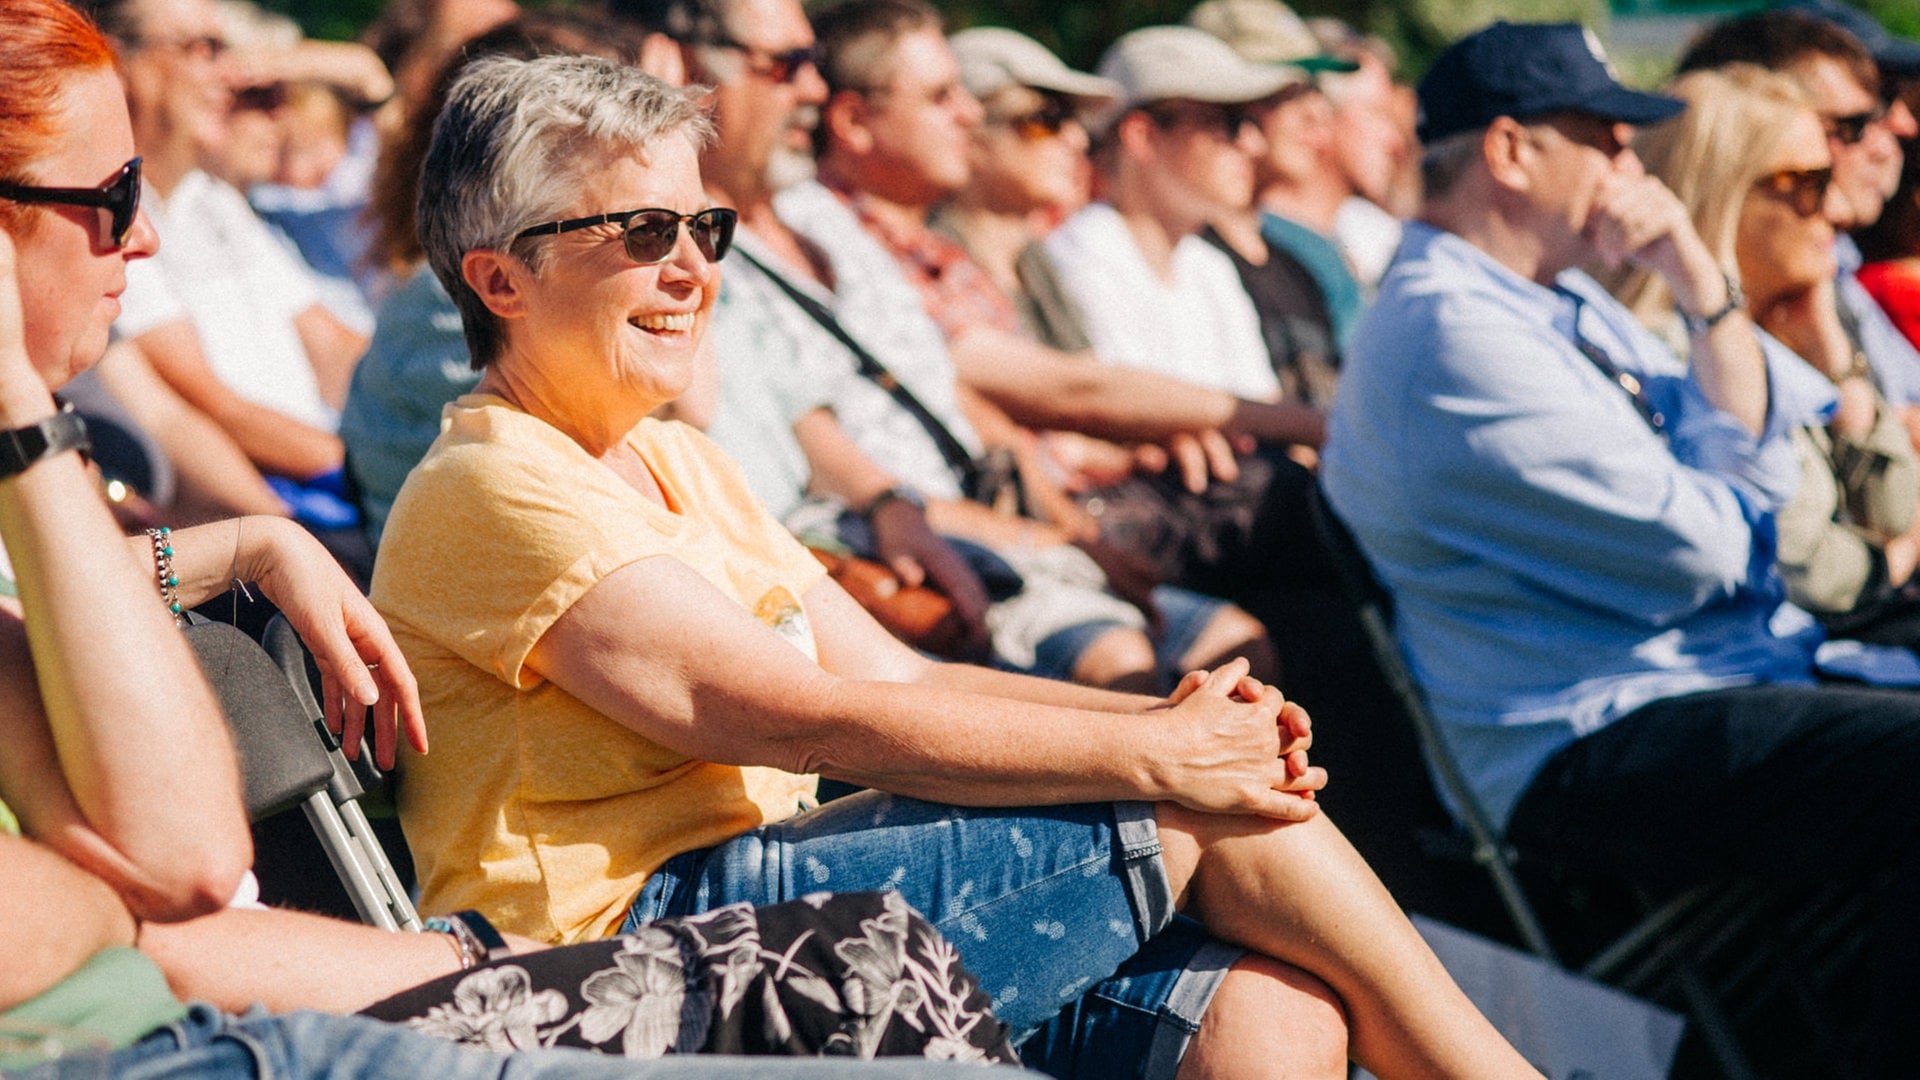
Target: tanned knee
[(1269, 1019)]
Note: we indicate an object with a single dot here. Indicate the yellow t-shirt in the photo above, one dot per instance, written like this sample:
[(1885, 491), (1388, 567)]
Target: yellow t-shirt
[(532, 807)]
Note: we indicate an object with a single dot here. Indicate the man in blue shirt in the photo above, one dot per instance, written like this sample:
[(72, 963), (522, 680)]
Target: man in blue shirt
[(1577, 527)]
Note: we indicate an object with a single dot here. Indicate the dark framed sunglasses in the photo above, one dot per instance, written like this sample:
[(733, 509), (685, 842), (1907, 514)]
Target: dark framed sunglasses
[(1850, 129), (1804, 190), (650, 234), (266, 98), (1043, 122), (117, 201), (1227, 120), (781, 67)]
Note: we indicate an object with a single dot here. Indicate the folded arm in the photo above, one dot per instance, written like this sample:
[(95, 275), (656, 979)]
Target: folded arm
[(274, 442), (1046, 388), (54, 916), (657, 648), (105, 717)]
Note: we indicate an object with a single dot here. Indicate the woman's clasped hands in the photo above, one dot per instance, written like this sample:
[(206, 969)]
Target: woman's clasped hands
[(1237, 746)]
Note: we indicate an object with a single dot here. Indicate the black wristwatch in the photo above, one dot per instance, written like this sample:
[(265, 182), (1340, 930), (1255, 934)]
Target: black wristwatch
[(477, 934), (1700, 324), (897, 493), (22, 446)]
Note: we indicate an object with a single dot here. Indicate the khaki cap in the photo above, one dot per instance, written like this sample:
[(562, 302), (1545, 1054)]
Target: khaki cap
[(1266, 32), (993, 58), (1160, 63)]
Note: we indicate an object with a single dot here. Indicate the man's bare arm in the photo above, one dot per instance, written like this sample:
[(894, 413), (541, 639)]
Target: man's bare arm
[(333, 348), (1046, 388), (274, 442)]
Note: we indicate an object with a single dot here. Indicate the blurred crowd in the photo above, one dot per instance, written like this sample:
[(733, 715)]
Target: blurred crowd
[(1618, 391)]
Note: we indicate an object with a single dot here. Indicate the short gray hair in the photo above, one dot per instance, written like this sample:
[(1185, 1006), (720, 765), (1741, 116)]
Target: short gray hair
[(1444, 162), (510, 150)]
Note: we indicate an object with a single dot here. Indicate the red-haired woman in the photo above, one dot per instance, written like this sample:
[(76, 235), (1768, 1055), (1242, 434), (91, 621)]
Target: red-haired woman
[(120, 806)]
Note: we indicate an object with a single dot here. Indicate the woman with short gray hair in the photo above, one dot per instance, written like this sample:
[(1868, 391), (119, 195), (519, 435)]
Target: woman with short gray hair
[(506, 155), (635, 675)]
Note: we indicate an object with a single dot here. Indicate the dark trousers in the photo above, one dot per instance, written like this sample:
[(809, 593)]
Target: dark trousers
[(1791, 784)]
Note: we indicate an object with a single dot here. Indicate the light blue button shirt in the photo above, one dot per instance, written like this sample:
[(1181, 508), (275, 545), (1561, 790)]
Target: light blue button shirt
[(1556, 562)]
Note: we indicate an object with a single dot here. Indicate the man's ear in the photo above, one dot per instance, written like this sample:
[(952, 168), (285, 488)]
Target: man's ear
[(1508, 150), (844, 119), (496, 278), (1133, 132), (663, 58)]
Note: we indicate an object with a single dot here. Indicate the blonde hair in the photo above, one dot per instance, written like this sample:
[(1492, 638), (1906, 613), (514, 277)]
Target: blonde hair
[(1711, 156)]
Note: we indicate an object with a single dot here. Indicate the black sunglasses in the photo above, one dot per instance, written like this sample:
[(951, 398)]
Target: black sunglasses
[(1802, 189), (1040, 123), (1225, 119), (1850, 129), (650, 234), (117, 200), (266, 97), (781, 67)]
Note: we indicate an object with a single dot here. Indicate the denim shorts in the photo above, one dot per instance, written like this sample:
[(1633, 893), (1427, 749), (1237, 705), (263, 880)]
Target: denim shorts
[(1064, 914), (1184, 615)]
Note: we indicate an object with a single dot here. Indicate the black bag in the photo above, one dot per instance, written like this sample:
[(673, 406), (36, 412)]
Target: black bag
[(1230, 540)]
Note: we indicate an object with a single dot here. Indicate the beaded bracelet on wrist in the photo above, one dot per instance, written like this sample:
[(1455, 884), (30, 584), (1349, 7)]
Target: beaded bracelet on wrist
[(464, 943), (163, 571)]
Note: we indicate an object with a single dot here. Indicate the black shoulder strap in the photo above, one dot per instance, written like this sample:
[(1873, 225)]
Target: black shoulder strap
[(956, 455)]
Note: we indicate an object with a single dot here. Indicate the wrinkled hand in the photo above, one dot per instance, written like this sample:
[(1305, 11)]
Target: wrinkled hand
[(362, 673), (1637, 219), (1239, 748), (912, 551)]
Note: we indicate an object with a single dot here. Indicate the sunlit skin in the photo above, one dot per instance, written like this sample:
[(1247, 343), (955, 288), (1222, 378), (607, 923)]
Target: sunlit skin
[(1780, 251), (1581, 158), (1015, 174), (180, 93), (1370, 145), (1866, 172), (911, 132), (592, 317), (1201, 172), (763, 119), (69, 285)]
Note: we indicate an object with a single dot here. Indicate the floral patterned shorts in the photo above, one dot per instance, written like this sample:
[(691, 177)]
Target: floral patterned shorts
[(856, 975), (1064, 913)]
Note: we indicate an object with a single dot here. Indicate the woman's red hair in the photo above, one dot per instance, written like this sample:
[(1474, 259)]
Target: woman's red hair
[(43, 44)]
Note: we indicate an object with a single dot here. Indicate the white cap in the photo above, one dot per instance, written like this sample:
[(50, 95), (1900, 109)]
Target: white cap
[(993, 58), (1163, 62)]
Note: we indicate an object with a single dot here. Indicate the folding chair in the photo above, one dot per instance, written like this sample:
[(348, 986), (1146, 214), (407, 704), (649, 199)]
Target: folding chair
[(1658, 951), (288, 757)]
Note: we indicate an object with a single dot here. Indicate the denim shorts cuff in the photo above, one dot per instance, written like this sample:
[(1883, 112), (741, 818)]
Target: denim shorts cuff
[(1138, 833), (1174, 1029)]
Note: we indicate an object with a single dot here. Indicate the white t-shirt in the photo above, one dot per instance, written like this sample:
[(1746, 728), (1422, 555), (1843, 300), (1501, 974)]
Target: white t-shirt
[(222, 267), (1368, 237), (1200, 327)]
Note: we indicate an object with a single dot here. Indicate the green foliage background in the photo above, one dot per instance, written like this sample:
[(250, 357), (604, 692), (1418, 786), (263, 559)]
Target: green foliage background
[(1080, 29)]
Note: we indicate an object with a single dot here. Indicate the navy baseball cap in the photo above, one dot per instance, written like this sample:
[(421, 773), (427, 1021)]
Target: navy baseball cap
[(1894, 56), (1528, 70)]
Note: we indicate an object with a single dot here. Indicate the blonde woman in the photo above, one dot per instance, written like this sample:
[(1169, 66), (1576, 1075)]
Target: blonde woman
[(1750, 160)]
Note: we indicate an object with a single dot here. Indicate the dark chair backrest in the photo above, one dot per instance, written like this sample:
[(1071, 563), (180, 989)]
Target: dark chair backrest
[(281, 762), (288, 758), (1373, 605)]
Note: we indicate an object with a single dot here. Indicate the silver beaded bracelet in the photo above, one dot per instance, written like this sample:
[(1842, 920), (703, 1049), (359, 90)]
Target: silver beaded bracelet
[(163, 571)]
